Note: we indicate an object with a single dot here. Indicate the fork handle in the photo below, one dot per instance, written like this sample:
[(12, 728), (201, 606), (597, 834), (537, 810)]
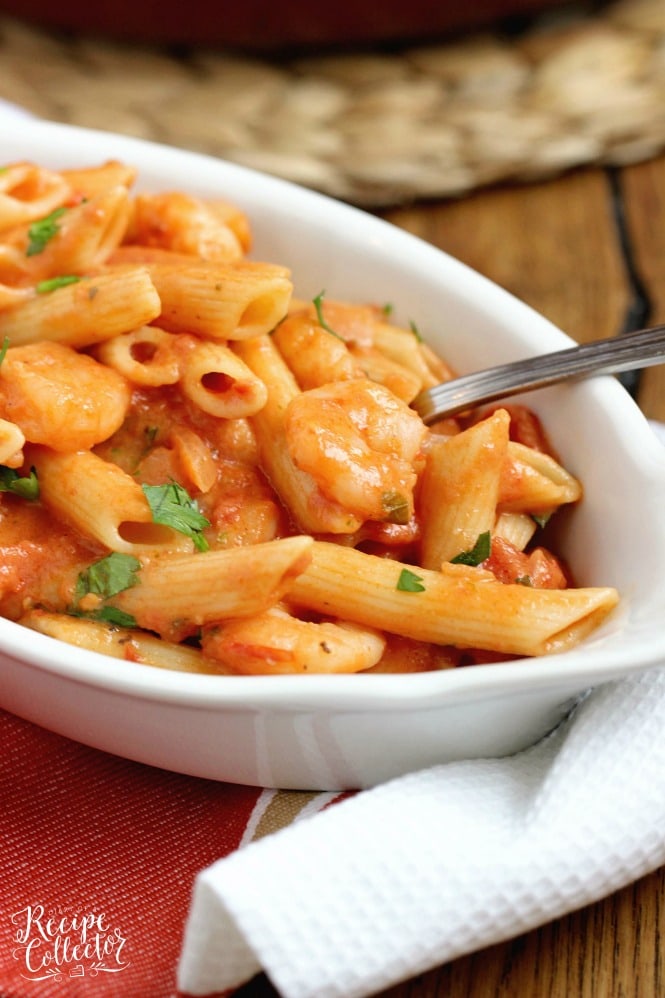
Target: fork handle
[(630, 351)]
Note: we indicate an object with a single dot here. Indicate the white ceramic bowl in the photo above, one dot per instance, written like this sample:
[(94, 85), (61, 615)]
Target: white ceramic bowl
[(335, 732)]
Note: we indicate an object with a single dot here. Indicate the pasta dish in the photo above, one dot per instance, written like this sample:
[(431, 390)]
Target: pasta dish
[(201, 471)]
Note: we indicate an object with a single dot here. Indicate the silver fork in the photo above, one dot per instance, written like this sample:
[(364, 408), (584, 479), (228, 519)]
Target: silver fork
[(631, 351)]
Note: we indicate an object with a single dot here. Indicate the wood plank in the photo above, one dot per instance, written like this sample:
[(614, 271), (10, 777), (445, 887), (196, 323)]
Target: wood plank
[(554, 245), (611, 948), (643, 189)]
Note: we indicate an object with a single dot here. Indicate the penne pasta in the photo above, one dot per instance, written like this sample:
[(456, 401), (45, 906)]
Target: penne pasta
[(216, 380), (102, 502), (517, 528), (146, 356), (511, 619), (129, 644), (72, 241), (29, 192), (89, 182), (459, 489), (532, 481), (177, 596), (223, 302), (86, 312)]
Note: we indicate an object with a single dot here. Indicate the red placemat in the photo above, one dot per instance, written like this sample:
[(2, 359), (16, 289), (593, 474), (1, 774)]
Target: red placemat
[(97, 860)]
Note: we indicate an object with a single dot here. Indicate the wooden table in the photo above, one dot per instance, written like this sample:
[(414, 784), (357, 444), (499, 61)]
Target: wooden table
[(588, 251)]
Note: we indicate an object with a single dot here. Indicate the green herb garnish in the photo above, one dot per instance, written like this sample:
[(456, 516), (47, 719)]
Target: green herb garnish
[(4, 348), (541, 518), (112, 615), (416, 332), (318, 305), (27, 486), (41, 232), (105, 578), (409, 582), (172, 506), (109, 576), (477, 554), (523, 580), (396, 507), (53, 283)]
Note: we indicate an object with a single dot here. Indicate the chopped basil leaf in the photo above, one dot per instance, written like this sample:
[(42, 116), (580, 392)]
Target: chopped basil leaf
[(388, 309), (523, 580), (540, 518), (396, 507), (112, 615), (41, 232), (318, 305), (4, 348), (150, 433), (56, 282), (415, 331), (110, 575), (171, 506), (477, 554), (409, 582), (27, 487)]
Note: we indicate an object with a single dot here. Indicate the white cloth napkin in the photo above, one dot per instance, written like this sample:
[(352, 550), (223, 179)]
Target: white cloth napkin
[(428, 867), (442, 862)]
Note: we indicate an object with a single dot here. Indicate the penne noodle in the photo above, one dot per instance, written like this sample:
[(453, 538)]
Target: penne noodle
[(458, 606), (220, 383), (177, 596), (146, 356), (223, 302), (401, 381), (29, 192), (102, 501), (459, 489), (79, 240), (87, 312), (532, 481), (90, 182), (403, 347), (129, 644), (517, 528)]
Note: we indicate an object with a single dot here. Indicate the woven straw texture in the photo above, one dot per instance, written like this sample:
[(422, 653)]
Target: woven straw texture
[(374, 128)]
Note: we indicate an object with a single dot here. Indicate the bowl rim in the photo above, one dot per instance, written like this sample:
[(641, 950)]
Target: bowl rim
[(355, 692)]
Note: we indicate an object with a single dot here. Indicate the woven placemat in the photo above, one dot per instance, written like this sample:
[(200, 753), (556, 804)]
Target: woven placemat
[(374, 128)]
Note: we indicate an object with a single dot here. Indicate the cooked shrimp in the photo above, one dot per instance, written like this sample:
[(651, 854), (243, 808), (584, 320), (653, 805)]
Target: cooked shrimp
[(185, 224), (276, 642), (61, 398), (315, 356), (358, 441)]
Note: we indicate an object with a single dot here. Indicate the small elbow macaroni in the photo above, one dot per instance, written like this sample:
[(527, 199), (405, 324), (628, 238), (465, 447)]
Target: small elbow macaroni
[(200, 471)]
